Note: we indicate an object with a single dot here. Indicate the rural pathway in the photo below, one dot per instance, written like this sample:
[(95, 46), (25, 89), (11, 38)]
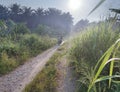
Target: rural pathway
[(66, 81), (23, 75)]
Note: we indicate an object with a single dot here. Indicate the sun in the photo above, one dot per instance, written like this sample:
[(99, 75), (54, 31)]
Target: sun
[(74, 4)]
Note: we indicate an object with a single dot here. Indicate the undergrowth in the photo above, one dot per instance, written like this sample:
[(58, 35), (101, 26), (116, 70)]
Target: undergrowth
[(18, 44), (86, 50)]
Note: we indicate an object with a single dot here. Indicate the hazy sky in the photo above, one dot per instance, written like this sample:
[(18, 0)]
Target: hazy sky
[(78, 13)]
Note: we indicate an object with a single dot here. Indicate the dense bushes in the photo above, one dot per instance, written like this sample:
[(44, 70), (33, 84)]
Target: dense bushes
[(51, 31), (15, 53), (37, 44), (18, 44), (87, 49)]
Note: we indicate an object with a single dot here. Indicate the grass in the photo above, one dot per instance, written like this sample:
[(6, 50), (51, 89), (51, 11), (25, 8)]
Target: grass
[(87, 48), (17, 44), (16, 52), (108, 57), (45, 81)]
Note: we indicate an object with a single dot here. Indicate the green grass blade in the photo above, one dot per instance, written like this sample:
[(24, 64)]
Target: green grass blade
[(107, 78), (102, 58), (112, 63), (104, 61), (111, 72), (101, 66), (116, 81)]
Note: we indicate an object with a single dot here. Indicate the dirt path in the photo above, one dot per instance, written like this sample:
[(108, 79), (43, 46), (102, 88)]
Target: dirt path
[(66, 82), (16, 80)]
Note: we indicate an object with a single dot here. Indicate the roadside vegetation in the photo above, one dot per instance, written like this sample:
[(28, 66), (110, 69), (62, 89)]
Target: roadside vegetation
[(17, 44), (26, 32), (94, 49), (46, 80), (87, 49)]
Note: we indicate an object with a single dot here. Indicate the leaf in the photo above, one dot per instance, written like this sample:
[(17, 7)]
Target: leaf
[(112, 63), (107, 78), (104, 62), (102, 1)]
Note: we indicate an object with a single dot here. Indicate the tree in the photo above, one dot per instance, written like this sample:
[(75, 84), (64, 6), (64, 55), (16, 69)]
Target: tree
[(81, 25), (39, 16), (27, 16), (20, 28), (15, 12), (4, 13), (53, 18)]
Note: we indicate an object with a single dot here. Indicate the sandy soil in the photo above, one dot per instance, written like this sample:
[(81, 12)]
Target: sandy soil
[(66, 81)]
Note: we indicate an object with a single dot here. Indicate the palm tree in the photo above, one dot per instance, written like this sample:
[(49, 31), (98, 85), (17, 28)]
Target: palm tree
[(3, 12), (15, 11)]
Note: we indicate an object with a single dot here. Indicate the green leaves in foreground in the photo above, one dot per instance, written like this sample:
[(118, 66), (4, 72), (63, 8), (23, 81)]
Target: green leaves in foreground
[(108, 57)]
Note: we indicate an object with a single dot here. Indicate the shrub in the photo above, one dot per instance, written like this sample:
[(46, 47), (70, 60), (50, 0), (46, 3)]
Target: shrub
[(36, 44), (6, 64), (17, 52)]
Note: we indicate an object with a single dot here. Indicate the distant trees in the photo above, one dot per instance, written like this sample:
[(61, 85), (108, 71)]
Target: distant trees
[(80, 25), (4, 13), (33, 17)]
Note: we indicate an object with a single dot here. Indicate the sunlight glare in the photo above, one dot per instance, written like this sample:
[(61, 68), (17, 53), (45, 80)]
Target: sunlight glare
[(74, 4)]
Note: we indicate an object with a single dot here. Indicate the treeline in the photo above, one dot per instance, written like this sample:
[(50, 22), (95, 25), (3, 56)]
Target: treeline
[(51, 17)]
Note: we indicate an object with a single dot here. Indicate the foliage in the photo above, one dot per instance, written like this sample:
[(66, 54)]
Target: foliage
[(18, 44), (86, 50), (81, 25), (20, 29), (35, 41), (52, 17), (6, 64), (110, 56), (47, 30)]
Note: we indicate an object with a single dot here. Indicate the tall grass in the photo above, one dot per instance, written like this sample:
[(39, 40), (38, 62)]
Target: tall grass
[(87, 49), (109, 57)]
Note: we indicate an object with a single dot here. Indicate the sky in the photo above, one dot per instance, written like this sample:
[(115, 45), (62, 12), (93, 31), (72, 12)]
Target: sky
[(79, 9)]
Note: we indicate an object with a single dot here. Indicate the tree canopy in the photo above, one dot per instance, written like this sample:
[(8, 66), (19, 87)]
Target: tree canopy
[(51, 17)]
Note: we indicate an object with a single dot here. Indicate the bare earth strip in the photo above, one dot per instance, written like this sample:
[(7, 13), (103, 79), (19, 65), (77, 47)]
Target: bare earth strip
[(16, 80), (66, 81)]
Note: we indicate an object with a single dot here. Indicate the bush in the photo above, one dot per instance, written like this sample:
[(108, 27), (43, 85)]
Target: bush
[(17, 45), (37, 44), (14, 53), (6, 64)]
